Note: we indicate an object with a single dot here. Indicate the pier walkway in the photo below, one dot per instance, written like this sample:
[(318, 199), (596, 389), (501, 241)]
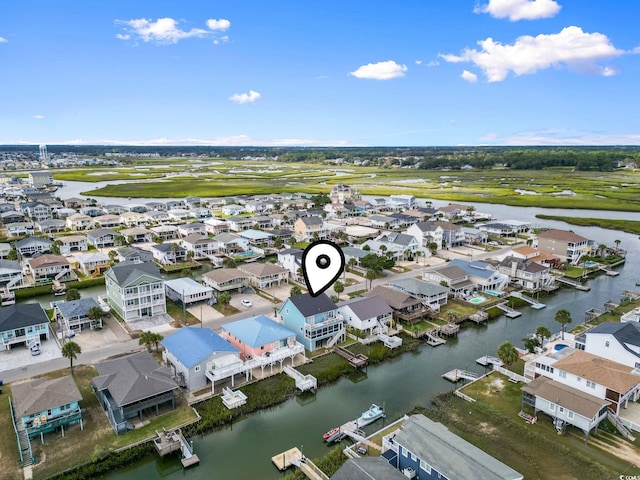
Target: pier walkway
[(534, 303), (303, 382), (356, 361), (573, 283), (457, 374), (172, 441), (508, 311)]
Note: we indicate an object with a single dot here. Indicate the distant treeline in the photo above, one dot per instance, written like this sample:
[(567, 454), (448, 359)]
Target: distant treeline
[(521, 158)]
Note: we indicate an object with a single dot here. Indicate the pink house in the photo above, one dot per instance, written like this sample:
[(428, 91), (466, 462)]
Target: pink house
[(260, 336)]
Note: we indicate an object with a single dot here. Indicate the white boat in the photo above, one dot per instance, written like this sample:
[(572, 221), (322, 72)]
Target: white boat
[(374, 413)]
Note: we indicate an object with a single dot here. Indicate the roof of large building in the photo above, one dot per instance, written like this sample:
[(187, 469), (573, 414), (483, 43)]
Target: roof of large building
[(309, 306), (562, 235), (21, 315), (418, 287), (258, 331), (76, 308), (220, 275), (125, 273), (367, 468), (187, 286), (449, 454), (133, 378), (613, 375), (369, 307), (627, 333), (575, 400), (193, 345), (39, 395), (394, 298), (262, 269)]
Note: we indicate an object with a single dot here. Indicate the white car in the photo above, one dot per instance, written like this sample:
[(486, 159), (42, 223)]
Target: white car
[(246, 303)]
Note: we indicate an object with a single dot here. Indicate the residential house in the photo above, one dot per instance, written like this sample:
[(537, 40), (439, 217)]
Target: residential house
[(132, 385), (40, 179), (10, 274), (136, 207), (192, 201), (36, 211), (78, 221), (201, 245), (474, 236), (619, 342), (33, 246), (406, 308), (134, 255), (168, 253), (456, 279), (565, 405), (482, 275), (135, 290), (315, 320), (308, 229), (178, 214), (155, 217), (188, 351), (261, 337), (51, 267), (369, 315), (499, 229), (175, 204), (115, 209), (232, 209), (70, 243), (215, 226), (567, 245), (165, 232), (542, 258), (432, 295), (94, 263), (261, 221), (156, 206), (291, 259), (20, 229), (452, 234), (133, 219), (237, 224), (384, 221), (353, 252), (136, 235), (256, 207), (631, 316), (92, 211), (402, 220), (264, 275), (398, 245), (230, 243), (23, 323), (341, 193), (405, 201), (257, 237), (525, 273), (5, 248), (51, 225), (102, 237), (186, 291), (74, 315), (422, 448), (226, 279), (367, 468), (189, 228), (11, 217), (426, 233), (200, 213), (64, 213), (452, 212), (107, 221), (42, 405)]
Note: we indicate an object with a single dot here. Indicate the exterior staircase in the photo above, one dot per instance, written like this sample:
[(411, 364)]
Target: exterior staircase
[(333, 340), (24, 444), (615, 420)]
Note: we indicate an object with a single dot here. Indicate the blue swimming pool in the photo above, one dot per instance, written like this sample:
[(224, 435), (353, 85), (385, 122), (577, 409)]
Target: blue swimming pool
[(590, 264), (492, 292), (560, 346), (246, 254)]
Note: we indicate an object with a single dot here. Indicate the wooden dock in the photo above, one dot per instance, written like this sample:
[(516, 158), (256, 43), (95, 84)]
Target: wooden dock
[(457, 374), (508, 311), (573, 283), (488, 360), (479, 317), (433, 339), (172, 441), (356, 361), (284, 460), (232, 399)]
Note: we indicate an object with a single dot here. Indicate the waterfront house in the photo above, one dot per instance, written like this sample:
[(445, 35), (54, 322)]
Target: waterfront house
[(426, 233), (453, 277), (422, 448), (156, 206), (129, 386), (178, 214), (308, 229), (10, 274), (78, 221), (168, 253), (214, 226), (188, 228), (474, 236), (404, 201), (260, 336), (11, 216), (40, 179), (367, 468), (315, 320), (451, 212), (155, 217), (74, 315), (200, 213), (72, 242), (341, 193), (406, 308), (102, 237), (136, 234), (42, 405), (565, 244), (107, 221), (188, 351), (25, 323), (542, 258), (136, 207), (432, 295), (93, 263), (134, 255), (51, 225), (452, 234), (370, 315), (291, 259), (52, 267), (498, 229), (565, 405), (226, 279), (383, 221), (257, 237), (133, 219), (230, 243), (201, 245), (237, 224), (186, 291), (482, 275), (20, 229), (175, 204), (165, 232), (63, 213), (30, 246), (92, 211), (232, 209), (526, 274), (616, 341), (264, 275), (135, 290)]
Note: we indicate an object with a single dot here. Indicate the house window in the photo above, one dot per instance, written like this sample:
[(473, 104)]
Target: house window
[(404, 452), (560, 409), (591, 384), (196, 368), (413, 457), (570, 415), (578, 379), (562, 374), (424, 466), (552, 407)]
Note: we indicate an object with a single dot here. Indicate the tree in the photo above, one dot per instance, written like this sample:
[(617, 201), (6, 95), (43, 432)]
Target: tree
[(13, 254), (186, 272), (543, 332), (229, 263), (371, 275), (507, 353), (617, 242), (224, 298), (352, 263), (156, 338), (563, 317), (433, 247), (55, 247), (72, 294), (278, 242), (71, 350), (530, 343), (95, 313), (146, 339), (338, 287), (295, 290)]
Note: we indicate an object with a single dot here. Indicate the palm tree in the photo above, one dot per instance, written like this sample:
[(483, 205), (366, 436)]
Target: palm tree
[(352, 263), (543, 332), (295, 290), (95, 314), (507, 353), (156, 338), (338, 287), (224, 298), (617, 242), (146, 339), (72, 294), (371, 276), (71, 350), (563, 317)]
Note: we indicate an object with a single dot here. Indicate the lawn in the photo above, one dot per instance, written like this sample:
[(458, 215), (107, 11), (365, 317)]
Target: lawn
[(629, 226), (612, 316), (180, 316), (457, 307), (9, 455), (226, 309)]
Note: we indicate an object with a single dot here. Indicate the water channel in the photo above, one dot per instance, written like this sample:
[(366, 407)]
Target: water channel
[(244, 450)]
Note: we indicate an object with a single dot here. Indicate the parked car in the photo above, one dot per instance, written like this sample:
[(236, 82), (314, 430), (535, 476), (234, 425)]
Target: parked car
[(35, 350), (246, 303)]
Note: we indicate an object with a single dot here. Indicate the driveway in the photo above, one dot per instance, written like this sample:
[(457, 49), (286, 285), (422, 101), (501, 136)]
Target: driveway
[(20, 356)]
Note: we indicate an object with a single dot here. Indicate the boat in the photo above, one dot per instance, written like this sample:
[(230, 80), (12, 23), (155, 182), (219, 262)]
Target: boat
[(374, 413), (331, 433)]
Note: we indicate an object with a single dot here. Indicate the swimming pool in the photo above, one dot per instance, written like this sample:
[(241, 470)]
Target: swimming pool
[(477, 300), (246, 254), (560, 346), (492, 293), (590, 264)]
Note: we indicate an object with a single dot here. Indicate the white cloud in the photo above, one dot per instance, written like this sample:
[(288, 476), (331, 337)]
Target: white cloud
[(516, 10), (469, 77), (241, 98), (433, 63), (223, 39), (380, 71), (573, 48), (165, 31), (3, 40), (418, 62), (221, 25), (233, 140), (563, 137), (38, 117)]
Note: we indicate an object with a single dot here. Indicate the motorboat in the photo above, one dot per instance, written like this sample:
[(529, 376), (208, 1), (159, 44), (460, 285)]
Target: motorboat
[(374, 413), (331, 433)]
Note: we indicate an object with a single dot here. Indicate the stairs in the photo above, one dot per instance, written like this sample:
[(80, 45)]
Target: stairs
[(336, 338), (24, 444), (615, 420)]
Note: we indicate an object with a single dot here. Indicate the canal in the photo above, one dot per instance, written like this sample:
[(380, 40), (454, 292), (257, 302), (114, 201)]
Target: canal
[(244, 450)]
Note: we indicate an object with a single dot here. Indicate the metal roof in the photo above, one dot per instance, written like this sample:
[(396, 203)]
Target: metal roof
[(192, 345), (258, 331)]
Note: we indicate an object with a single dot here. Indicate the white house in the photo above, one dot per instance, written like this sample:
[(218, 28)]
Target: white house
[(619, 342), (370, 314)]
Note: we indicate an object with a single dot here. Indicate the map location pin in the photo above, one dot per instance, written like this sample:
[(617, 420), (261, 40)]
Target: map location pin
[(322, 264)]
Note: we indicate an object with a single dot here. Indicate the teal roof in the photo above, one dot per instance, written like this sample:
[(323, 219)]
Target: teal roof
[(258, 331)]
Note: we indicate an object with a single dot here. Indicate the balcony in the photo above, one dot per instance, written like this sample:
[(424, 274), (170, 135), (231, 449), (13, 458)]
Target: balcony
[(281, 353), (325, 323)]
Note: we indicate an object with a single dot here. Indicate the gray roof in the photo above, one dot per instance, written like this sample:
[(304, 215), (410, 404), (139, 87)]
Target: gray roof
[(369, 307), (125, 273), (133, 378), (41, 394), (10, 265), (28, 240), (308, 305), (418, 287), (100, 232), (168, 247), (367, 468), (76, 308), (398, 238), (21, 315), (355, 252), (308, 221), (627, 333), (427, 226), (125, 252), (220, 275), (226, 237), (448, 453), (395, 298)]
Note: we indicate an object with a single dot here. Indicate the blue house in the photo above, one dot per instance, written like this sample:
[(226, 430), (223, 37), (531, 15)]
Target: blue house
[(425, 449), (188, 351), (44, 405), (315, 320)]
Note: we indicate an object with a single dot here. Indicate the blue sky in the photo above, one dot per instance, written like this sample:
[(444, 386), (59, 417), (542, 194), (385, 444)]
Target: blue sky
[(330, 72)]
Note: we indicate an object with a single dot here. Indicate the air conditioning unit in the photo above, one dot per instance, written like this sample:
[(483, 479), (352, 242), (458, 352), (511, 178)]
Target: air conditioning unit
[(409, 472)]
